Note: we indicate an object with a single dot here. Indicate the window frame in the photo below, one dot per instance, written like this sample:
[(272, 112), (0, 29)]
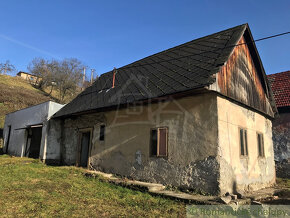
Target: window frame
[(262, 154), (158, 142), (245, 143)]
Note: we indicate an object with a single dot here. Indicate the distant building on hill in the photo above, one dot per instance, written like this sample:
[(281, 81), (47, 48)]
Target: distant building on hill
[(29, 77)]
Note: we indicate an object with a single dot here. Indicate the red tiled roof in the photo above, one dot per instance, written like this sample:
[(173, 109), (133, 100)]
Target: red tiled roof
[(280, 84)]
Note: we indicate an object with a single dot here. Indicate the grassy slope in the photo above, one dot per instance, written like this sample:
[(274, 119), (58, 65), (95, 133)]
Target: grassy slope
[(15, 94), (30, 188)]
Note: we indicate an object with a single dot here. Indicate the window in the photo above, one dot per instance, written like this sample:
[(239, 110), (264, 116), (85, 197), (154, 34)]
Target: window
[(159, 142), (102, 133), (243, 142), (260, 140)]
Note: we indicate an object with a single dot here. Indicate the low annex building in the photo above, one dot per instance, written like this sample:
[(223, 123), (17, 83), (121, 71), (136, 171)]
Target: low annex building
[(196, 116), (280, 83), (26, 132)]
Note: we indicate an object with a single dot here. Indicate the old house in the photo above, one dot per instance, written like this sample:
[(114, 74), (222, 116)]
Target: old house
[(196, 116), (280, 83), (26, 131)]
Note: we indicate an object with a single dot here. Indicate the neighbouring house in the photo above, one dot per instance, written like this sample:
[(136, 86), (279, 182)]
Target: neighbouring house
[(197, 116), (26, 130), (280, 83), (29, 77)]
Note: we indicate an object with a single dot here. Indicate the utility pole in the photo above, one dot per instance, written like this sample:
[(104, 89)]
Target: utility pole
[(114, 76), (84, 78), (92, 75)]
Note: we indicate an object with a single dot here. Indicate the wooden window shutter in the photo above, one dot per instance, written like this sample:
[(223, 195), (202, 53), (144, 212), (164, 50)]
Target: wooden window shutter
[(243, 142), (246, 142), (261, 145), (162, 141)]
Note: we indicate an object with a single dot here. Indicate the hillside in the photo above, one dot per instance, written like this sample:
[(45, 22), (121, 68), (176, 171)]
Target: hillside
[(16, 93)]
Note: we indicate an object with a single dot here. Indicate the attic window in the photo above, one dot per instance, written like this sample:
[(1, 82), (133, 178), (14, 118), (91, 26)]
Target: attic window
[(243, 142), (260, 140), (102, 133), (159, 142)]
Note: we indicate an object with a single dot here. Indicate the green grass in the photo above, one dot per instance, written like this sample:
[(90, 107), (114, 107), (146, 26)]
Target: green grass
[(16, 82), (29, 188)]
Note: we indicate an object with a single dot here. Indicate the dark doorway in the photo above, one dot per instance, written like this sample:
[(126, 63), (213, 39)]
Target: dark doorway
[(85, 146), (8, 138), (35, 142)]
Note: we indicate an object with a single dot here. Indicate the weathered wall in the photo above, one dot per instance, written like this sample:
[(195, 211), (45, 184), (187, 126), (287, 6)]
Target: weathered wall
[(240, 80), (281, 137), (192, 142), (53, 142), (281, 140), (240, 173), (70, 134)]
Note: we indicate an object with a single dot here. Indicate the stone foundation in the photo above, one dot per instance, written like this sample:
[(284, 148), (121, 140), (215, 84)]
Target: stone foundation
[(200, 176)]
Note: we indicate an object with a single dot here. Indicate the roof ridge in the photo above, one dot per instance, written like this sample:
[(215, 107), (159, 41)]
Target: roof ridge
[(179, 46)]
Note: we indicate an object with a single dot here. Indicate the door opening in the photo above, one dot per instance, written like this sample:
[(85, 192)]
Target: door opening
[(84, 148), (34, 134), (8, 139)]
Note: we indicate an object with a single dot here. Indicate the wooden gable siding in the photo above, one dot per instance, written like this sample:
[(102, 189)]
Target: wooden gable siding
[(239, 80)]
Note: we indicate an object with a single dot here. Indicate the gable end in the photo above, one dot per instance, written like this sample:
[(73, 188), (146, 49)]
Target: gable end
[(242, 78)]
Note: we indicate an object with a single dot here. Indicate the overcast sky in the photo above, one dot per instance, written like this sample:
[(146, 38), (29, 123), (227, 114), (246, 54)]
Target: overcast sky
[(111, 33)]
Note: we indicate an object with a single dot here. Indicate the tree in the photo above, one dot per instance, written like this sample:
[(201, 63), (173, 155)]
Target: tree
[(68, 76), (6, 67), (44, 70), (65, 75)]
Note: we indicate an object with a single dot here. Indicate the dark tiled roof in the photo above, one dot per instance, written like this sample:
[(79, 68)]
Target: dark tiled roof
[(280, 84), (182, 68)]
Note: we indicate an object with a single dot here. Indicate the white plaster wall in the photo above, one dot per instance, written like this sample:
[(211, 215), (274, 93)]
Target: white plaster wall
[(237, 172)]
